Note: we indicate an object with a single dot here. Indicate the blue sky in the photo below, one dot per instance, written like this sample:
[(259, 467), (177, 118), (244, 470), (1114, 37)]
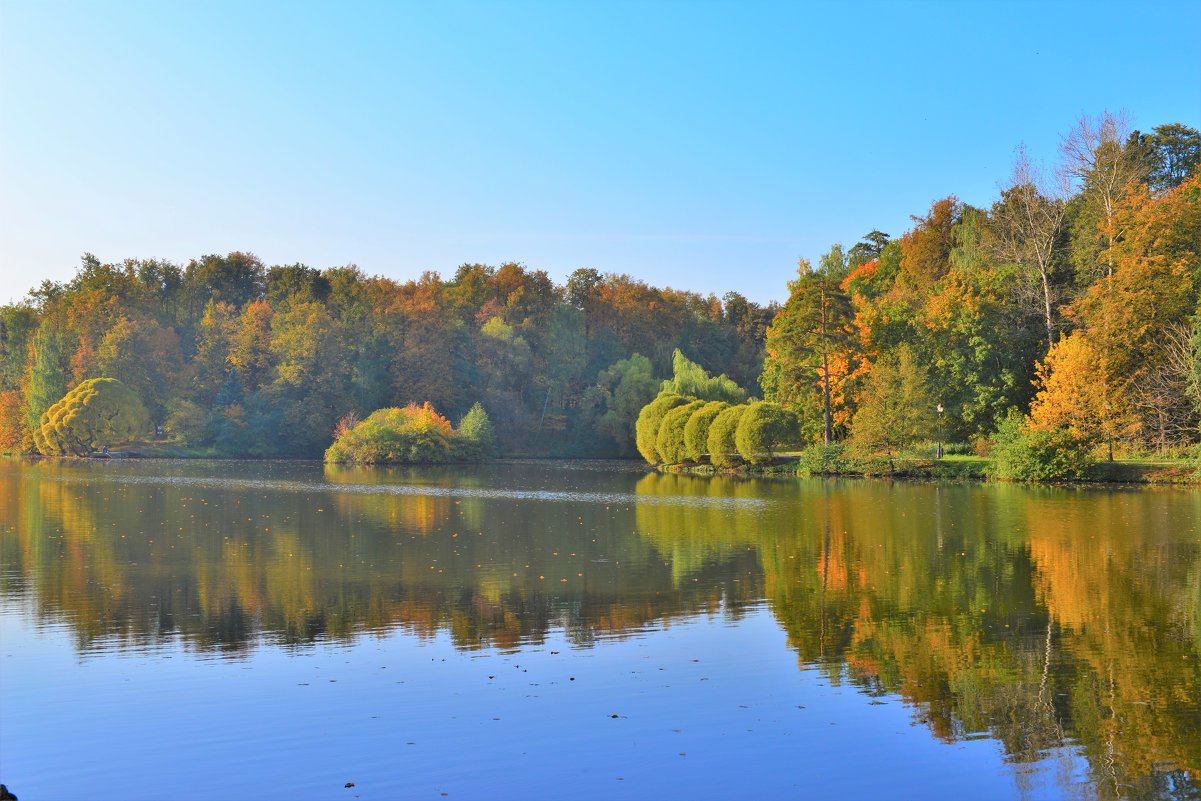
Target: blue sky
[(704, 146)]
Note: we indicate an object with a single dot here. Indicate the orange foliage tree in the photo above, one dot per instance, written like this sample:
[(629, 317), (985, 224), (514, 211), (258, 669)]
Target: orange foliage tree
[(1080, 392)]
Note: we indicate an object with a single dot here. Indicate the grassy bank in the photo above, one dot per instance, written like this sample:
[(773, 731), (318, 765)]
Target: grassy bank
[(953, 467)]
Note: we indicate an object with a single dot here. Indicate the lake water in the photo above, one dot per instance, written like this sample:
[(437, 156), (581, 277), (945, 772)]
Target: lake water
[(553, 630)]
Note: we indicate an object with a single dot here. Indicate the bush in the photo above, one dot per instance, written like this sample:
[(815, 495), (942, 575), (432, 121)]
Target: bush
[(824, 460), (100, 411), (412, 435), (477, 437), (763, 429), (696, 430), (646, 429), (670, 442), (1021, 454), (722, 450)]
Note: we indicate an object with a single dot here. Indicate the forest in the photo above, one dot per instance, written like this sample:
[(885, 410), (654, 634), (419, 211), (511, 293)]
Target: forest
[(1070, 304)]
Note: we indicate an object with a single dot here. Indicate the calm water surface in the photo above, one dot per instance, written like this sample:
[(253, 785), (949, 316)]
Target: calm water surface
[(557, 630)]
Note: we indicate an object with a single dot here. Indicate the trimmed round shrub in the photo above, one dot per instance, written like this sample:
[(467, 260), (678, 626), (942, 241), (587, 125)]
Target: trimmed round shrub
[(670, 442), (763, 429), (696, 430), (646, 429), (722, 450)]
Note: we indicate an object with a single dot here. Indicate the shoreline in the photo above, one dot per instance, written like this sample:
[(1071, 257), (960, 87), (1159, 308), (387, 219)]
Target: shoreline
[(1138, 473), (1121, 473)]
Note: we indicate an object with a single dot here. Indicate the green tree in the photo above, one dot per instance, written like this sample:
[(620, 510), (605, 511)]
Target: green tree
[(48, 373), (896, 408), (696, 430), (100, 411), (811, 343), (1175, 153), (722, 433), (690, 379), (670, 441), (620, 392), (646, 428), (17, 325), (763, 429), (476, 437)]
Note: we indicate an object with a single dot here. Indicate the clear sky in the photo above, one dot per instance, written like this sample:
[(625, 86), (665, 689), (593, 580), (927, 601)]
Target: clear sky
[(699, 145)]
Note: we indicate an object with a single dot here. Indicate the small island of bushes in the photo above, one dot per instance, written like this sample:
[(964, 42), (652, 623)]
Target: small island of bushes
[(413, 435)]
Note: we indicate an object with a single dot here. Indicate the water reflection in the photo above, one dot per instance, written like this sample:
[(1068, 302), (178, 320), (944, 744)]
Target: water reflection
[(1040, 618)]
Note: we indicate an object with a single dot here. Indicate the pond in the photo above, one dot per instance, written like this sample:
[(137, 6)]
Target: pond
[(584, 630)]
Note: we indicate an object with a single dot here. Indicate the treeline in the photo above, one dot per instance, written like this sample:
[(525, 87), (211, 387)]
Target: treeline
[(231, 357), (1069, 306), (1071, 302)]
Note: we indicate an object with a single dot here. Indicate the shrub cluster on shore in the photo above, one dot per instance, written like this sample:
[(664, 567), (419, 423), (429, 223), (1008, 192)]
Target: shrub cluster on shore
[(413, 435)]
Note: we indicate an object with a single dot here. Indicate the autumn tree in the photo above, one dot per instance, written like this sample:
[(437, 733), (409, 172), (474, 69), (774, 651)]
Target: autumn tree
[(1138, 318), (147, 358), (13, 428), (1079, 391)]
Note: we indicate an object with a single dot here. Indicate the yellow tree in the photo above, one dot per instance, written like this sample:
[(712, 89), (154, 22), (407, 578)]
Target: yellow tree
[(1079, 391), (250, 344), (1140, 317)]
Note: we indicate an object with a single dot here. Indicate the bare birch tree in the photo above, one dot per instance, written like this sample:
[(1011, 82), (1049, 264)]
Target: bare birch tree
[(1097, 157), (1024, 229)]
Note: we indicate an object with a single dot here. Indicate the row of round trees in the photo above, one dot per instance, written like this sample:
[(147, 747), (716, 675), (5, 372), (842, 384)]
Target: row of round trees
[(676, 428)]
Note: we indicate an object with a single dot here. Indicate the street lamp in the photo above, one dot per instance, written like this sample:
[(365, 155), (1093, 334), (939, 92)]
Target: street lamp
[(938, 453)]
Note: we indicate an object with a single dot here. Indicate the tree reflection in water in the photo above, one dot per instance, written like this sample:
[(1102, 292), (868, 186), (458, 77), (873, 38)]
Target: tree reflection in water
[(1048, 619)]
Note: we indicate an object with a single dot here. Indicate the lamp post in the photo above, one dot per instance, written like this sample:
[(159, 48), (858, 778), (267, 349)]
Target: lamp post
[(938, 452)]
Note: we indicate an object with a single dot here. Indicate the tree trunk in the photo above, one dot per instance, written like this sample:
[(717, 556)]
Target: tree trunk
[(1047, 307), (826, 374)]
